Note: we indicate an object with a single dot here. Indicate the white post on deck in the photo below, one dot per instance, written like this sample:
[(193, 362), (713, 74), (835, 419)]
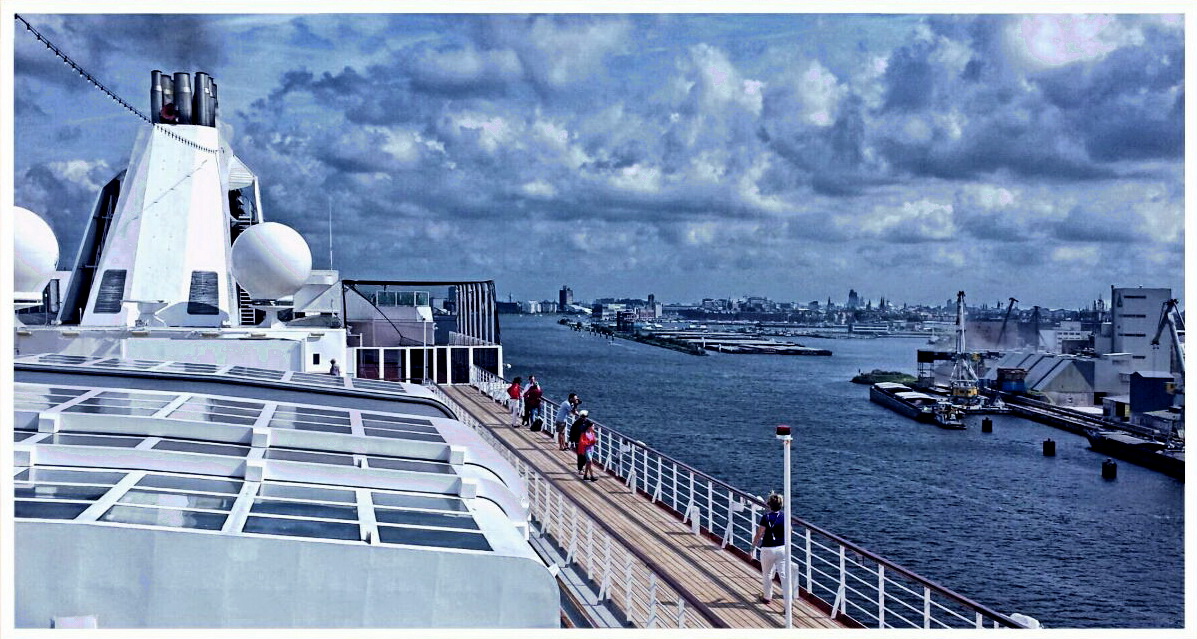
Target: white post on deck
[(783, 434)]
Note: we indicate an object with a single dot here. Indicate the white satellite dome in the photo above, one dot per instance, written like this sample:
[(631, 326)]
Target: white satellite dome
[(35, 253), (271, 261)]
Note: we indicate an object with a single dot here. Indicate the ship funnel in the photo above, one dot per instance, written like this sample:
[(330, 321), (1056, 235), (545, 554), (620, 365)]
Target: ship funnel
[(175, 100), (183, 97)]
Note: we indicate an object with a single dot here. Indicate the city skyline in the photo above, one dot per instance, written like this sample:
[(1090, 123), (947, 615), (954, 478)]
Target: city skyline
[(1039, 157)]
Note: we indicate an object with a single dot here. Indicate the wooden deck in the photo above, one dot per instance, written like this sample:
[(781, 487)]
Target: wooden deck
[(727, 584)]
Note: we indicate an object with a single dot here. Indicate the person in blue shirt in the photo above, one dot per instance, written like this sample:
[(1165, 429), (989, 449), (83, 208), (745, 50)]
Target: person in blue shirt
[(771, 539)]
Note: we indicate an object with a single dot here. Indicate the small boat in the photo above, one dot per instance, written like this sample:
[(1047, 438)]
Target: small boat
[(949, 416)]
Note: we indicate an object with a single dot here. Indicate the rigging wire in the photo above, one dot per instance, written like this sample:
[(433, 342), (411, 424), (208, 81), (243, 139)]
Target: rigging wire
[(99, 85)]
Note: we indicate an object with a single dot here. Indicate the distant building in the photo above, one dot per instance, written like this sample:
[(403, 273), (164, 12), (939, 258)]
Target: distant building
[(530, 306), (853, 299), (1134, 318), (565, 297)]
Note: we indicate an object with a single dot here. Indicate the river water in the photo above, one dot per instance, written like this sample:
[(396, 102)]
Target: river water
[(984, 514)]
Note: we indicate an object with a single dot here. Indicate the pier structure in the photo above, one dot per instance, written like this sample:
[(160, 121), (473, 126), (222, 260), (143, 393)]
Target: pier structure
[(657, 543)]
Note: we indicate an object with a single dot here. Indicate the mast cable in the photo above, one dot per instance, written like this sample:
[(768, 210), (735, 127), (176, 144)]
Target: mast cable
[(99, 85)]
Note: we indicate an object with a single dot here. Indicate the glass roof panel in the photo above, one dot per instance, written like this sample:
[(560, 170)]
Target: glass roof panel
[(20, 436), (54, 475), (211, 416), (428, 537), (189, 367), (164, 517), (403, 500), (322, 428), (255, 373), (423, 518), (311, 493), (126, 363), (309, 413), (177, 500), (51, 491), (418, 466), (313, 458), (302, 528), (90, 408), (68, 439), (198, 447), (322, 379), (65, 359), (48, 509), (402, 434), (379, 385), (197, 484), (398, 419), (303, 509)]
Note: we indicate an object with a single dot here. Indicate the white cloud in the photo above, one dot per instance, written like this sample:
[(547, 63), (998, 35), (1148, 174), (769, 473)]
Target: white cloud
[(1060, 39)]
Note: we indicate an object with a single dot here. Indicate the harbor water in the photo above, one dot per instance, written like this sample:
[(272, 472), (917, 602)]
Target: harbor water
[(984, 514)]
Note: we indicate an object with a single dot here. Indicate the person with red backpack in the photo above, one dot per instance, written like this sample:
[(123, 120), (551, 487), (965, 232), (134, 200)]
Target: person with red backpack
[(586, 444), (771, 538), (514, 393)]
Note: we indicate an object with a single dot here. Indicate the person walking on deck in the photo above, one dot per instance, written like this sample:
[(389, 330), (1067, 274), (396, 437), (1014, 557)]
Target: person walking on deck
[(770, 538), (578, 427), (515, 392), (532, 397), (567, 413), (586, 444)]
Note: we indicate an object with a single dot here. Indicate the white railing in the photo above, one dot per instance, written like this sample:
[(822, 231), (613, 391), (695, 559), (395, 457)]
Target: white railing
[(626, 579), (844, 579)]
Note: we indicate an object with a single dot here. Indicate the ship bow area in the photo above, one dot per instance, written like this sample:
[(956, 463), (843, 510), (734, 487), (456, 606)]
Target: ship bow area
[(146, 578)]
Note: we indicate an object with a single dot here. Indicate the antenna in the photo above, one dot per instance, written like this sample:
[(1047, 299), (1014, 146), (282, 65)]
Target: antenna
[(330, 262)]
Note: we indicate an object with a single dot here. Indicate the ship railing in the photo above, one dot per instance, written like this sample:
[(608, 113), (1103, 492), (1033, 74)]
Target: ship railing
[(845, 580), (625, 577)]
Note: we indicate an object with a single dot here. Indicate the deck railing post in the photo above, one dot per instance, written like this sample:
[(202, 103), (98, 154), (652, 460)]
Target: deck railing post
[(809, 560), (605, 586), (573, 537), (880, 595), (681, 612), (926, 607), (710, 506), (675, 495), (660, 480)]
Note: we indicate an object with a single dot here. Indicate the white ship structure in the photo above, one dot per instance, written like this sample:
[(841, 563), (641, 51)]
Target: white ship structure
[(185, 458)]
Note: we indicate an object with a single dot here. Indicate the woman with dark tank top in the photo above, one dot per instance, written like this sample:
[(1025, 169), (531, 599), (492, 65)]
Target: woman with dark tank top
[(771, 538)]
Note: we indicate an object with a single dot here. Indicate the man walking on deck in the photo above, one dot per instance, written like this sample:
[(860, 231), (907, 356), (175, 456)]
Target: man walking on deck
[(514, 393), (770, 538)]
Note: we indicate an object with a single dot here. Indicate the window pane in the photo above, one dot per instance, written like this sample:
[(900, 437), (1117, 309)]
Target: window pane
[(47, 510), (197, 484), (303, 509), (164, 517), (196, 447), (94, 440), (48, 475), (438, 538), (302, 528), (400, 500), (412, 465), (421, 518), (177, 500), (49, 491), (314, 458), (402, 434), (288, 491)]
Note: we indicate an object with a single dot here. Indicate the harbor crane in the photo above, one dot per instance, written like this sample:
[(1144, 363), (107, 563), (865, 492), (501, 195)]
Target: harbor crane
[(1005, 320), (1171, 318), (964, 378)]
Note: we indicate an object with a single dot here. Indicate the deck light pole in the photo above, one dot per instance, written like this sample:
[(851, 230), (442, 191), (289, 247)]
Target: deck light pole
[(783, 434)]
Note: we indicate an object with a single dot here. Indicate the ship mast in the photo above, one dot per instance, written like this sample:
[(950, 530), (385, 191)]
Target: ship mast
[(964, 379)]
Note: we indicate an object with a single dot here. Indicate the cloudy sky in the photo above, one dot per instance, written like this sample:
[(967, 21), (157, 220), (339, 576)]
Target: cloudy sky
[(690, 156)]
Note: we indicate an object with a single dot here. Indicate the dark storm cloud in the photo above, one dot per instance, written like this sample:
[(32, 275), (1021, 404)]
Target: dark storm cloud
[(1118, 226), (62, 195)]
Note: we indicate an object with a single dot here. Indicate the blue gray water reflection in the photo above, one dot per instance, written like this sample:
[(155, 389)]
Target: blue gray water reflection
[(984, 514)]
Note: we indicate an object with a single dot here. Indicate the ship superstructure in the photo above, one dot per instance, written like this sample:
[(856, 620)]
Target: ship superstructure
[(187, 456)]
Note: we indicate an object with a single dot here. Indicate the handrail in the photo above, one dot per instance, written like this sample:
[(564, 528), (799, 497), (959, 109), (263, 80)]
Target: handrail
[(527, 470), (727, 513)]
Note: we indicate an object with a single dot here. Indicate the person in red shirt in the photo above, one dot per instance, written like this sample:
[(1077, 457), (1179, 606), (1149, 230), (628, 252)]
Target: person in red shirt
[(586, 452), (532, 397), (514, 393)]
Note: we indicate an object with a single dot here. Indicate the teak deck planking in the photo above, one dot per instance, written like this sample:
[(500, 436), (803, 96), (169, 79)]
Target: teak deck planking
[(726, 583)]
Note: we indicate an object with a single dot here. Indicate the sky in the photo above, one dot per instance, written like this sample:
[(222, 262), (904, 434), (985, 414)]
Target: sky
[(793, 156)]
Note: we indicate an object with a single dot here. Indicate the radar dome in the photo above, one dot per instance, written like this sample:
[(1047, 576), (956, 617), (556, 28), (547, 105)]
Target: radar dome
[(271, 261), (35, 252)]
